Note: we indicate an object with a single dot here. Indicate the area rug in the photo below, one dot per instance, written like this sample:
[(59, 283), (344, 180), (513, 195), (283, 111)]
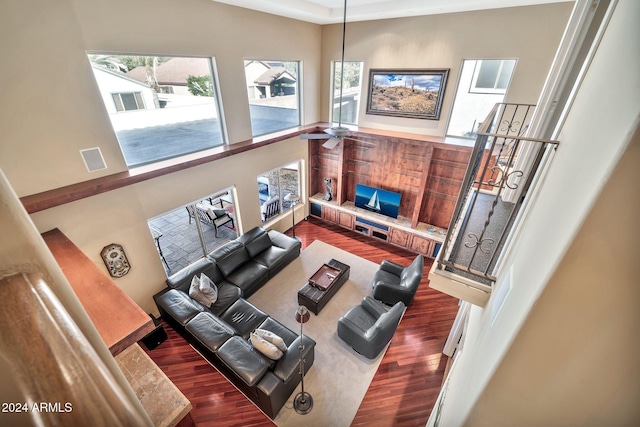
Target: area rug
[(339, 377)]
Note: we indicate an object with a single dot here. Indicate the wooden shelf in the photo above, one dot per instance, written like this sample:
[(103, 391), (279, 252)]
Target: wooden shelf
[(424, 238)]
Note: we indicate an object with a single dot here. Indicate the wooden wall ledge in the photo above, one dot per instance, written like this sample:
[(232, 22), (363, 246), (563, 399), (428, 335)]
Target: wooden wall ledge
[(60, 196), (70, 193), (118, 319)]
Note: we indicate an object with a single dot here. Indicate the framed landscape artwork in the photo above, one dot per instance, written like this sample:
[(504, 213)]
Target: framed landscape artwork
[(407, 93)]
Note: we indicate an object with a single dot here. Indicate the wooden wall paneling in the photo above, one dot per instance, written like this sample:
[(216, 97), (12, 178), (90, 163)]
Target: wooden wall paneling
[(490, 174), (342, 169), (428, 174), (410, 175), (314, 167), (426, 167), (446, 174), (362, 166), (324, 163), (439, 208), (438, 184)]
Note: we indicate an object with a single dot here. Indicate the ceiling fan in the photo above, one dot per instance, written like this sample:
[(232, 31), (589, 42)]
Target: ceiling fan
[(334, 134)]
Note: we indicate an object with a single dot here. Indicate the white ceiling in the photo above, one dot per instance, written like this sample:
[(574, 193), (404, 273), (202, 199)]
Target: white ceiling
[(331, 11)]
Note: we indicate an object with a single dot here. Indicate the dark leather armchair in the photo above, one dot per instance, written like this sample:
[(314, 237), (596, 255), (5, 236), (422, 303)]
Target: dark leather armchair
[(394, 282), (369, 327)]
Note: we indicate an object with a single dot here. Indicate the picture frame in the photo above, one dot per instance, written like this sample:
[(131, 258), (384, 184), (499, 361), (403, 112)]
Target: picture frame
[(410, 93)]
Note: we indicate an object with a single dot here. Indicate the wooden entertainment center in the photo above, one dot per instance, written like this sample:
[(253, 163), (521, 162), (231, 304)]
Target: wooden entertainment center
[(424, 239), (426, 171)]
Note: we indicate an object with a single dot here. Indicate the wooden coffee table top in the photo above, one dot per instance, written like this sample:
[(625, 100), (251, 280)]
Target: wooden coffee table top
[(323, 285), (324, 277)]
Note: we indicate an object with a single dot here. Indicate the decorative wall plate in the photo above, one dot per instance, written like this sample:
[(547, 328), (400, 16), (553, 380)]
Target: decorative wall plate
[(115, 259)]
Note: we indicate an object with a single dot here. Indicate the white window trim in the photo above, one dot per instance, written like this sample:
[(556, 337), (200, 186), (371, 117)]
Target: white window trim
[(136, 95), (332, 83), (476, 73)]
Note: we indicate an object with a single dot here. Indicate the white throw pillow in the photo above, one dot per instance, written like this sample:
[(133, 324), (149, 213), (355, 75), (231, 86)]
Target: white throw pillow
[(265, 347), (209, 288), (272, 338), (206, 297)]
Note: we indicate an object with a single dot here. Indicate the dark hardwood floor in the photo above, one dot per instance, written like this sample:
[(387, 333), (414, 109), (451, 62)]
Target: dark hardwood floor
[(404, 389)]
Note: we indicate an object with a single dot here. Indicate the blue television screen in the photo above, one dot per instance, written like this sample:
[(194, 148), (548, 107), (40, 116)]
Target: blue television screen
[(377, 200)]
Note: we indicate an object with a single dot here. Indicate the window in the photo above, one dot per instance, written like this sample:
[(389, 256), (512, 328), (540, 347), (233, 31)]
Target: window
[(128, 101), (273, 188), (350, 92), (189, 232), (492, 76), (159, 107), (274, 98), (482, 84)]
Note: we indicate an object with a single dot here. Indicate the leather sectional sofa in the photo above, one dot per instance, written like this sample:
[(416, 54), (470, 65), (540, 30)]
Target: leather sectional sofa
[(221, 332)]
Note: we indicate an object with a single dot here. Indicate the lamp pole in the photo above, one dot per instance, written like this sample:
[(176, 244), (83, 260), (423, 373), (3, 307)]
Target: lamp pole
[(303, 402), (294, 199)]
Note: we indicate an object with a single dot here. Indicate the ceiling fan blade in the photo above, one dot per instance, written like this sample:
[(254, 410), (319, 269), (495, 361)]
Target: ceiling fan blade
[(315, 136), (332, 143)]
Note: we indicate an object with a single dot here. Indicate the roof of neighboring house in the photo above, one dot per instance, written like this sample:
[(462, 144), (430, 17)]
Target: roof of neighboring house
[(119, 75), (175, 71), (273, 74)]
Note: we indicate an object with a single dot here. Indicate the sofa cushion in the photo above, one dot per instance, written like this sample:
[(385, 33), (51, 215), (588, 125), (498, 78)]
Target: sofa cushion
[(227, 295), (230, 257), (178, 305), (209, 330), (238, 355), (249, 277), (274, 258), (244, 317), (181, 280), (255, 241), (285, 242)]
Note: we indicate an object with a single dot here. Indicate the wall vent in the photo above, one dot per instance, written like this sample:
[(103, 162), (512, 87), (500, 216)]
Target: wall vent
[(93, 159)]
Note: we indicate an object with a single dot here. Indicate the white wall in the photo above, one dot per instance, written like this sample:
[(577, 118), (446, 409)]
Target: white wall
[(50, 102), (596, 133), (529, 34)]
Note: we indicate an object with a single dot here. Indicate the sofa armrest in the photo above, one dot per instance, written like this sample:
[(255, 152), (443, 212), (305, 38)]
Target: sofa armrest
[(178, 305), (391, 267), (283, 241), (288, 366)]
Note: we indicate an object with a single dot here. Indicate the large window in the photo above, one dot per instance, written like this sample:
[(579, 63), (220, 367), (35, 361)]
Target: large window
[(274, 95), (350, 92), (482, 84), (160, 107), (276, 188), (189, 232)]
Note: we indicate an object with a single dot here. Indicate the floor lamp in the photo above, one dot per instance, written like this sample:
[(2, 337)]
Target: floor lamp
[(294, 199), (303, 402)]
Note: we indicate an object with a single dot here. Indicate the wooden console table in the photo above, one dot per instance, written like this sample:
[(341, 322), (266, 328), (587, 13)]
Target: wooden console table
[(119, 321), (424, 239)]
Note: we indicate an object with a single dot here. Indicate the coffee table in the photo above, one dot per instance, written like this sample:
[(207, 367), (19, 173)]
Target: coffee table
[(323, 285)]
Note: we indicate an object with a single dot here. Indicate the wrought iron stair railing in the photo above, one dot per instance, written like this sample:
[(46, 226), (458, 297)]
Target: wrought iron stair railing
[(501, 169)]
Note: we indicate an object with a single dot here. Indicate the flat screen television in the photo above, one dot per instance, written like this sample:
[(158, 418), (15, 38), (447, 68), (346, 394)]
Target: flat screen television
[(378, 200)]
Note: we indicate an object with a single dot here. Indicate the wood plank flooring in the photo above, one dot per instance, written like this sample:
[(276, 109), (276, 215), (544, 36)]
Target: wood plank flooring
[(404, 389)]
